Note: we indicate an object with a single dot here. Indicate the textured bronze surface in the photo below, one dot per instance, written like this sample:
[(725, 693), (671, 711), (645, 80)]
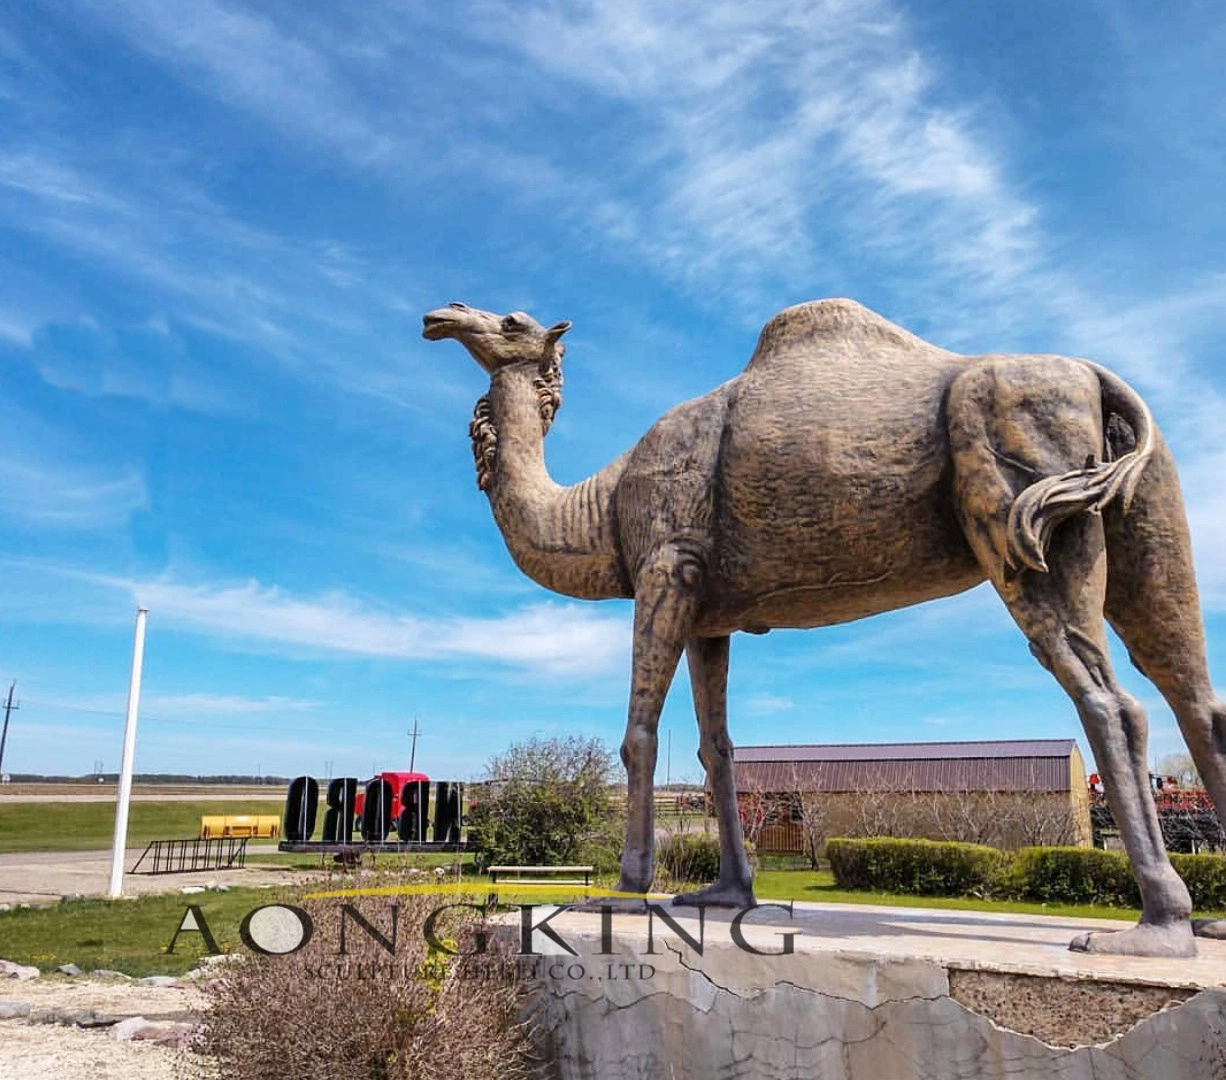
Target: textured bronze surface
[(852, 469)]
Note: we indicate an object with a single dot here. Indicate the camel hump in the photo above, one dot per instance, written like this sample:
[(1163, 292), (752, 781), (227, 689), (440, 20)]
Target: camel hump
[(820, 321)]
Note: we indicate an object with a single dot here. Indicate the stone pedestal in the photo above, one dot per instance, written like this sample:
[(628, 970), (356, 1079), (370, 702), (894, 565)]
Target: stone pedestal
[(869, 993)]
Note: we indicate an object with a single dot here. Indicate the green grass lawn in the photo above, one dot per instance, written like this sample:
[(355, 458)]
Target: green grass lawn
[(124, 935), (86, 826), (819, 886), (131, 935)]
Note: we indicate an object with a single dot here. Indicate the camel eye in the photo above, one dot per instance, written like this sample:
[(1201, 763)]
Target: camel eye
[(512, 323)]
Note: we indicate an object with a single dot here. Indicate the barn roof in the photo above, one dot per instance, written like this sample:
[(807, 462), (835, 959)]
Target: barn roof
[(1001, 748), (1007, 765)]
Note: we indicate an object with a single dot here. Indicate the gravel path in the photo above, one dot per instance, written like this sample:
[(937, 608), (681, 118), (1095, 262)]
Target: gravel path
[(35, 1051)]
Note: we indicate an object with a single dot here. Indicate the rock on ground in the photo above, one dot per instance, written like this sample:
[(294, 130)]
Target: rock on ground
[(31, 1051)]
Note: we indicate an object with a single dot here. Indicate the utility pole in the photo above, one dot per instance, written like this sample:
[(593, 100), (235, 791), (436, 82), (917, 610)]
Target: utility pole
[(8, 708), (413, 753), (668, 760), (123, 793)]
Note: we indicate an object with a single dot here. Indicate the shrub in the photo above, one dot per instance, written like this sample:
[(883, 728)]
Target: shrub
[(1045, 875), (546, 804), (689, 856), (603, 842), (1071, 875), (1205, 877), (921, 867), (369, 1015)]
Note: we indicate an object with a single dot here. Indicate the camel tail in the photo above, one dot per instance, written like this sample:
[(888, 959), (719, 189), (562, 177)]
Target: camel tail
[(1040, 508)]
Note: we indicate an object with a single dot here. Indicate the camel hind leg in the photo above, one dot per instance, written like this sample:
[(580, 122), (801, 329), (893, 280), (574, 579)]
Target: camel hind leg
[(708, 660), (1153, 605), (1012, 422)]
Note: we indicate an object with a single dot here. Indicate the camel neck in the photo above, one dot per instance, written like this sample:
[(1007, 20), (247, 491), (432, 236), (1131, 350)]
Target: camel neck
[(521, 435), (561, 537)]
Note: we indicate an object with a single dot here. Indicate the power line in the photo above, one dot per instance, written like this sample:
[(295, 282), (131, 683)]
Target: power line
[(8, 708), (413, 753)]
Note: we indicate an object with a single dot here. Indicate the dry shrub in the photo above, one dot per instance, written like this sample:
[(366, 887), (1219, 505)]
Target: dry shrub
[(368, 1014)]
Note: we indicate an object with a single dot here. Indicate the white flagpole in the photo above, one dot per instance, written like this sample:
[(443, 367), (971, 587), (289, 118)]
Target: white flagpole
[(124, 795)]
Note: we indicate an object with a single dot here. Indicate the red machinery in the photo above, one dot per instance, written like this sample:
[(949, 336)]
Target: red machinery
[(397, 780)]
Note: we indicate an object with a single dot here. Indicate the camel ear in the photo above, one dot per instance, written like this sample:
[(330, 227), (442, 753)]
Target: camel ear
[(557, 330)]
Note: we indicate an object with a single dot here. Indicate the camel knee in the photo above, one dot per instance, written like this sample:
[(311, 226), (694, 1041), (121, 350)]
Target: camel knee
[(639, 747), (1132, 714), (716, 746), (1135, 725), (1215, 728), (1203, 724), (1116, 708), (1099, 707), (672, 567)]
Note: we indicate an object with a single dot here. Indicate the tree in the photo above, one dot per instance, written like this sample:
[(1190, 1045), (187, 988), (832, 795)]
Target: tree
[(809, 808), (1182, 768), (545, 801)]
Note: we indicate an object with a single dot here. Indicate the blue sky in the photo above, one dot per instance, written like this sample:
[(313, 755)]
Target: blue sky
[(220, 224)]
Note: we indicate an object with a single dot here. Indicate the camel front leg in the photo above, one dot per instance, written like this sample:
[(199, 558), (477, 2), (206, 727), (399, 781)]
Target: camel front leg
[(664, 608), (708, 660)]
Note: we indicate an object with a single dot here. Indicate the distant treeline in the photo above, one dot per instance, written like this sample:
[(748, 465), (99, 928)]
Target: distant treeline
[(150, 778)]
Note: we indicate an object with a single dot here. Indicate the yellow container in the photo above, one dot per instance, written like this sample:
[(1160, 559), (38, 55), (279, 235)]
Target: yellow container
[(264, 826)]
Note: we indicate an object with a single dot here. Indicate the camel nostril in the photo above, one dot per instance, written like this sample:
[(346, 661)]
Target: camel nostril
[(458, 306)]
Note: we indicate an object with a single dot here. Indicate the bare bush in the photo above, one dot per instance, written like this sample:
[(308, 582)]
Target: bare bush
[(758, 808), (371, 1009), (877, 810), (810, 809)]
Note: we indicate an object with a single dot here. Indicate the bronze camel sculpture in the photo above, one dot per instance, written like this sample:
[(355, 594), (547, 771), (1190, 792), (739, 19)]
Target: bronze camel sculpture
[(851, 469)]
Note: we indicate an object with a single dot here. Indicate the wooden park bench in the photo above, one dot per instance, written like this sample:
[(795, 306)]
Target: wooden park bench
[(539, 875)]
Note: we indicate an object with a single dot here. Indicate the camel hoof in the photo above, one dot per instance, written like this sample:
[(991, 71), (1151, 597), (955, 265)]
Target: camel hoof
[(730, 896), (1210, 928), (1173, 939)]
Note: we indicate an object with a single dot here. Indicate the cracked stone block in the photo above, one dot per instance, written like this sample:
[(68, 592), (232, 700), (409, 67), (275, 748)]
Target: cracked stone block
[(647, 1005)]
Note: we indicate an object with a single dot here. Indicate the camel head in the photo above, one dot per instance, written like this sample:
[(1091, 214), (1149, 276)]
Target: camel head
[(497, 341), (502, 343)]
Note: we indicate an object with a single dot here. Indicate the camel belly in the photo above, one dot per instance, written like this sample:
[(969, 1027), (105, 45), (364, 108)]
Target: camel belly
[(848, 560), (834, 504), (802, 605)]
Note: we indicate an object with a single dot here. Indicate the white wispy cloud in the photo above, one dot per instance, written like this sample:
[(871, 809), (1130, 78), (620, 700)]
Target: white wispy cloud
[(53, 478), (243, 57), (553, 638), (17, 329), (813, 143), (758, 149), (767, 704), (51, 181), (780, 142), (203, 704), (171, 706), (65, 496)]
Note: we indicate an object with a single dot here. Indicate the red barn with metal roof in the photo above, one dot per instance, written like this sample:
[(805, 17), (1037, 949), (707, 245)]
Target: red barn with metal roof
[(1007, 792)]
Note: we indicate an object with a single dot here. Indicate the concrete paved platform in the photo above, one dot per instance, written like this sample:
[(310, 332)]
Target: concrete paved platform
[(868, 993)]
